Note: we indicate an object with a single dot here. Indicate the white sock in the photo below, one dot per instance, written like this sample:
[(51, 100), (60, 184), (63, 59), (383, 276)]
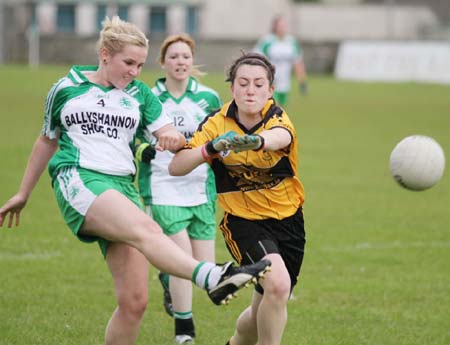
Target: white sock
[(206, 275)]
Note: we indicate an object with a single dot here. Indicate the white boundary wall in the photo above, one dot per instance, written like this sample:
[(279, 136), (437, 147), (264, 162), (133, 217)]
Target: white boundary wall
[(315, 22), (394, 61)]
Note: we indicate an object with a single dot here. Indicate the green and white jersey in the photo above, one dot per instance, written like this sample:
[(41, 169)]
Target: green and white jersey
[(156, 186), (97, 125), (283, 54)]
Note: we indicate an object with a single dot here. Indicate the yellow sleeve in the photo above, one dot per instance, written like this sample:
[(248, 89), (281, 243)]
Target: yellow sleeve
[(207, 132)]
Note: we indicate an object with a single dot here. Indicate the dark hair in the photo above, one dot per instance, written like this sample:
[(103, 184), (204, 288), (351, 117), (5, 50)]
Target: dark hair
[(253, 59)]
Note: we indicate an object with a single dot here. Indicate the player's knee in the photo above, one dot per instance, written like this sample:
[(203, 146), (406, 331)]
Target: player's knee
[(146, 227), (278, 288), (280, 292), (133, 304)]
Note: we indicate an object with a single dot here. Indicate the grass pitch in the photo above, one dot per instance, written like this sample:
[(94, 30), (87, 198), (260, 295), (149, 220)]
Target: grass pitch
[(377, 264)]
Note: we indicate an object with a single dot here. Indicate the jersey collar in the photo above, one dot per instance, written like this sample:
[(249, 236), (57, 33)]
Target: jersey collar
[(191, 87), (160, 84), (77, 76)]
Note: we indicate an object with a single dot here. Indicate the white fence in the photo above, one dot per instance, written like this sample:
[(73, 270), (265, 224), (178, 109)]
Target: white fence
[(421, 61)]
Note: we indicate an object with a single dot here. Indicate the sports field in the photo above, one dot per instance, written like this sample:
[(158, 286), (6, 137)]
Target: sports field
[(377, 265)]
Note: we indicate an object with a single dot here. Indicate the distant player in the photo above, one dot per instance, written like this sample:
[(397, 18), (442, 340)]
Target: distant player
[(286, 54)]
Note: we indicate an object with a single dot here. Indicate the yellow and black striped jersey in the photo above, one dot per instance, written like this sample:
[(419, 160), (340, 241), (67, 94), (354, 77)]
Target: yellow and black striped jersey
[(254, 184)]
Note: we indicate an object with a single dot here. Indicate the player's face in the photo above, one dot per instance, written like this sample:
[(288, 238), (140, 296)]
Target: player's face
[(281, 27), (251, 89), (178, 61), (123, 67)]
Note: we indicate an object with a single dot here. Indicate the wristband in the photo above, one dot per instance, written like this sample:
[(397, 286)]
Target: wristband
[(204, 152), (263, 142), (210, 150), (140, 150)]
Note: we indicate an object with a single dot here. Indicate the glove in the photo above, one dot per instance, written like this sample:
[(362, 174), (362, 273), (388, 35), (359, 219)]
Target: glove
[(303, 88), (144, 152), (246, 142), (221, 143)]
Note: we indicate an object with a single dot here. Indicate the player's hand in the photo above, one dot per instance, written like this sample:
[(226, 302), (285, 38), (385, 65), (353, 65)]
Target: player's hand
[(144, 152), (221, 143), (13, 207), (170, 140), (246, 142), (303, 86)]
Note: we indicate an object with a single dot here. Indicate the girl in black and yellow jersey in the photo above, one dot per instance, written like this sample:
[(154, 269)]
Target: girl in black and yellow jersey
[(251, 146)]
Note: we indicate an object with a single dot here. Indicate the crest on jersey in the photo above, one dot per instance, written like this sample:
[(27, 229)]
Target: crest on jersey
[(223, 154), (125, 103)]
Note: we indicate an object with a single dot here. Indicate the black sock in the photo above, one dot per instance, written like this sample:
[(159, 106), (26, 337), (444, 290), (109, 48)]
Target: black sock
[(184, 326)]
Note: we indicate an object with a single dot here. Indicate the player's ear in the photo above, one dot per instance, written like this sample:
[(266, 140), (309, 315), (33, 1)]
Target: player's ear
[(271, 90), (104, 55)]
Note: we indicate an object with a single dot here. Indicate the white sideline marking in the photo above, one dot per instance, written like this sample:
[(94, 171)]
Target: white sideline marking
[(390, 245), (29, 256)]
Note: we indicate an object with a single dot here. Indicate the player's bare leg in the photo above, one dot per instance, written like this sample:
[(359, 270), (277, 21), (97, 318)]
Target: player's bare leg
[(181, 289), (113, 217), (246, 328), (203, 250), (266, 318), (129, 269)]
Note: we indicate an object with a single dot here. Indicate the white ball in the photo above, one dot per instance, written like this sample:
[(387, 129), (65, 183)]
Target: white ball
[(417, 162)]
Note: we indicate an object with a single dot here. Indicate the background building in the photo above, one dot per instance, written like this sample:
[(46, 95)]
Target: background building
[(65, 31)]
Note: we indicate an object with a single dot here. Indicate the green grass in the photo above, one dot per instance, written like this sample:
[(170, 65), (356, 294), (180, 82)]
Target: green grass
[(377, 265)]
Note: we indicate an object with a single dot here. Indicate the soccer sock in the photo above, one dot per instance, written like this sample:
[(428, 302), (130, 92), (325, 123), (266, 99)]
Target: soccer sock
[(182, 315), (206, 275), (165, 279), (184, 325)]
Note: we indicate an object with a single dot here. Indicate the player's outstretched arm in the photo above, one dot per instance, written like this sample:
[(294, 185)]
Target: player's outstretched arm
[(187, 160), (41, 153), (169, 139), (276, 138)]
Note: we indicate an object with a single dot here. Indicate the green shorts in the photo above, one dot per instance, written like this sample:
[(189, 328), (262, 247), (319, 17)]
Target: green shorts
[(199, 221), (77, 188)]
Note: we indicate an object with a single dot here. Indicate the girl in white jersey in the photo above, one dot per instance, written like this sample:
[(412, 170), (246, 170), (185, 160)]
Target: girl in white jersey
[(184, 206), (285, 53), (92, 116)]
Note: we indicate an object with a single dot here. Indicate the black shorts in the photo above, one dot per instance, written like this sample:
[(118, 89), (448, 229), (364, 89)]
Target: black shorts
[(249, 241)]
